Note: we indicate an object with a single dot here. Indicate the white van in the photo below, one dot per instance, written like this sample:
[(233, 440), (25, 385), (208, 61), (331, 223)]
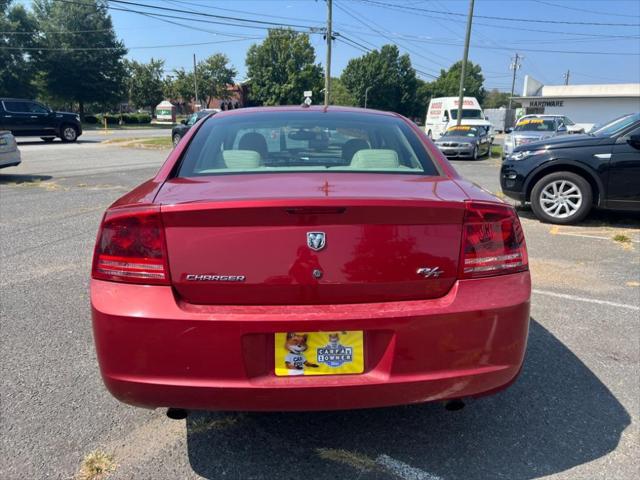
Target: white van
[(443, 112)]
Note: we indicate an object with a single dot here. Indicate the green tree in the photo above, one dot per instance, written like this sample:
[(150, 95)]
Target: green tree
[(282, 67), (17, 70), (145, 82), (169, 89), (182, 85), (79, 67), (424, 92), (389, 77), (496, 99), (340, 95), (214, 75), (448, 83)]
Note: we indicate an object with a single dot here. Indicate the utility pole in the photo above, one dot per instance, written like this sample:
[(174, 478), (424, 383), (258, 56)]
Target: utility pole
[(366, 95), (464, 62), (327, 78), (566, 77), (515, 65), (195, 80)]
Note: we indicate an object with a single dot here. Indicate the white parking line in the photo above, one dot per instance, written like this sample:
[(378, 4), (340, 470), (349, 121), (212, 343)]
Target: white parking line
[(404, 471), (587, 300), (597, 237)]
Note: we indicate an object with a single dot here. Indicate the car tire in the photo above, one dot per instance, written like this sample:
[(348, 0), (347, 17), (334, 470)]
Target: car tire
[(48, 139), (474, 155), (561, 198), (176, 139), (68, 133)]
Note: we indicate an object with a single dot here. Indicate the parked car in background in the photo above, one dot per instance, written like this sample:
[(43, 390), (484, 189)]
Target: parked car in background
[(9, 153), (465, 141), (184, 126), (564, 177), (28, 118), (532, 128), (443, 113), (336, 244)]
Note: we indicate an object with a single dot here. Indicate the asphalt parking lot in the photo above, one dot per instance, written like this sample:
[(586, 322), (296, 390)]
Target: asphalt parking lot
[(573, 413)]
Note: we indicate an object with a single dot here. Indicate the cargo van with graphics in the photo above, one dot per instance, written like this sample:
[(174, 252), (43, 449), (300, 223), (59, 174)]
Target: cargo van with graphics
[(443, 113)]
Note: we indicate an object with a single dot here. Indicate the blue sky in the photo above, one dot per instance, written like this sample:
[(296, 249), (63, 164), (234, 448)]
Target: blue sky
[(434, 41)]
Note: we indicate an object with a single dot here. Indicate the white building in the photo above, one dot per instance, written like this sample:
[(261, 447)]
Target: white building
[(584, 104)]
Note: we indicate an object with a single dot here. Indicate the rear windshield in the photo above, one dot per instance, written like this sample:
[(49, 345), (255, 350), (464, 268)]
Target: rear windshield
[(535, 125), (265, 142)]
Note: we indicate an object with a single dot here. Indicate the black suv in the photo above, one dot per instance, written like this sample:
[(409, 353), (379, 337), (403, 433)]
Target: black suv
[(181, 130), (26, 118), (565, 176)]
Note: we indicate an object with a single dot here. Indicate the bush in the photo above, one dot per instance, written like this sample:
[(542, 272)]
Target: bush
[(143, 118), (114, 118), (111, 119), (129, 118)]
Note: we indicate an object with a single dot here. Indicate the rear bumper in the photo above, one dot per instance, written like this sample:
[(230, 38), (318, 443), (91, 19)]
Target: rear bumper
[(157, 352), (9, 159)]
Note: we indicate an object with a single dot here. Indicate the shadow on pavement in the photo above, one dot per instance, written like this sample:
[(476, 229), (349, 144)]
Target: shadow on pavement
[(556, 416), (596, 218), (11, 178), (24, 143)]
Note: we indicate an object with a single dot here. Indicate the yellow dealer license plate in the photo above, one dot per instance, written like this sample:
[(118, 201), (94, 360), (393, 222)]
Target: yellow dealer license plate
[(319, 353)]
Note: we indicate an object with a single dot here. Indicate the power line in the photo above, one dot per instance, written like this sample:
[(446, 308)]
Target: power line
[(582, 9), (210, 21), (573, 52), (191, 27), (352, 43), (508, 19), (401, 8), (382, 34), (211, 15), (596, 77), (90, 49), (208, 4)]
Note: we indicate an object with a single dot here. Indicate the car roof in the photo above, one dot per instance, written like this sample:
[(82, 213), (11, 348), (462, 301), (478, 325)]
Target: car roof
[(299, 108), (542, 115)]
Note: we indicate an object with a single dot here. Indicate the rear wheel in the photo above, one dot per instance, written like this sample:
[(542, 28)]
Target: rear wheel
[(176, 139), (69, 133), (48, 139), (561, 198)]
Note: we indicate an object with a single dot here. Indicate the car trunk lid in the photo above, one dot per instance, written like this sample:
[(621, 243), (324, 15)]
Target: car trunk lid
[(311, 238)]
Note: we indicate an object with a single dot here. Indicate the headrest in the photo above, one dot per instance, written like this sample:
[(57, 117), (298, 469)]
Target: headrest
[(375, 158), (254, 141), (241, 159), (350, 147)]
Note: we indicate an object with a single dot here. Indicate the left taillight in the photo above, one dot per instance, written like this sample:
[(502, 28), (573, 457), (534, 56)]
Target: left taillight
[(131, 247)]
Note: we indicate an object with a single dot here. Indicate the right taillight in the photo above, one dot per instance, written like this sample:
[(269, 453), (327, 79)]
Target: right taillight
[(492, 241), (131, 247)]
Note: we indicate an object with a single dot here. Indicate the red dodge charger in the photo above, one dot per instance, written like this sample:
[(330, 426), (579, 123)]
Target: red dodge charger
[(298, 258)]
